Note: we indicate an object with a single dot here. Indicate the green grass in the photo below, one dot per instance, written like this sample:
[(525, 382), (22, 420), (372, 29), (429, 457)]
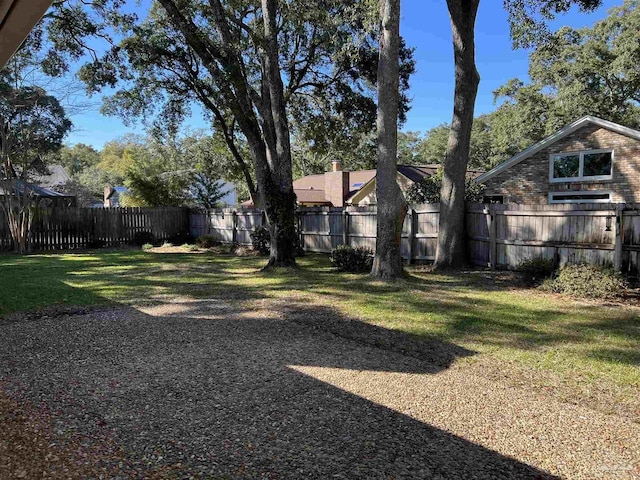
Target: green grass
[(475, 310)]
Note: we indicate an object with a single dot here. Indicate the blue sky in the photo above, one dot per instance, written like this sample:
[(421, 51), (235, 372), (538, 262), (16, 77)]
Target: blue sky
[(425, 26)]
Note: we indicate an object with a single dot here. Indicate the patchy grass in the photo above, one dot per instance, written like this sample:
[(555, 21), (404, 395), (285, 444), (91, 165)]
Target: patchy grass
[(477, 310)]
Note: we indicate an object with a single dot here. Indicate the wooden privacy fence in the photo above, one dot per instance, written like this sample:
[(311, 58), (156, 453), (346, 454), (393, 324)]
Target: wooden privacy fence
[(498, 236), (226, 225), (71, 228)]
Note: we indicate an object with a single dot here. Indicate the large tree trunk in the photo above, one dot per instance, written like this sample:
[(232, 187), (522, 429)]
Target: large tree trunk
[(392, 207), (451, 251)]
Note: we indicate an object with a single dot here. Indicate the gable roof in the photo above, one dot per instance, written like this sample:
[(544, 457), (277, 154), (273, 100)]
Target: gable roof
[(20, 186), (560, 134), (53, 176)]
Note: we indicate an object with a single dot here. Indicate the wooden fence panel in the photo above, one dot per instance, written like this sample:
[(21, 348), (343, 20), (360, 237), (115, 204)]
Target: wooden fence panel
[(73, 228), (499, 236)]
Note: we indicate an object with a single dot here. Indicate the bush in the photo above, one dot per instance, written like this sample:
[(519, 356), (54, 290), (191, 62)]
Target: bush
[(428, 189), (207, 241), (189, 247), (261, 240), (147, 246), (142, 238), (167, 244), (180, 238), (97, 243), (537, 269), (354, 260), (587, 281)]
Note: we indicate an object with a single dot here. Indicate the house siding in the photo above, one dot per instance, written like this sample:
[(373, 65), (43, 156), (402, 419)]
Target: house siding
[(528, 181)]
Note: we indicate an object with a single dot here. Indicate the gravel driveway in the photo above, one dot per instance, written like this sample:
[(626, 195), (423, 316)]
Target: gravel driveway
[(202, 389)]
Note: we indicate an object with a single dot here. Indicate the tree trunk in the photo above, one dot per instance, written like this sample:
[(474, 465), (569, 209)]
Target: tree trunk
[(392, 208), (279, 197), (451, 251)]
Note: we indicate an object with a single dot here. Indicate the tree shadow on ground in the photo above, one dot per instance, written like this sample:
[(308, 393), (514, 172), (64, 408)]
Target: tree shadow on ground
[(209, 390)]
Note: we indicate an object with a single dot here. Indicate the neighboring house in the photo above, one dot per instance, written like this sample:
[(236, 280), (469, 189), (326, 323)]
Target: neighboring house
[(112, 196), (339, 188), (589, 161)]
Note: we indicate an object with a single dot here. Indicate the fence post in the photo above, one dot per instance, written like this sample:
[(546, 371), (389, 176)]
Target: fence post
[(412, 233), (300, 224), (345, 226), (493, 244), (618, 239), (234, 226)]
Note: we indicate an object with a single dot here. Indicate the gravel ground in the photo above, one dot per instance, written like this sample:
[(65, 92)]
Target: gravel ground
[(203, 389)]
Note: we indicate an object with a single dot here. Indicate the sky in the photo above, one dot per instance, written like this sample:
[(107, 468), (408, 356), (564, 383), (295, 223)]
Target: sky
[(425, 26)]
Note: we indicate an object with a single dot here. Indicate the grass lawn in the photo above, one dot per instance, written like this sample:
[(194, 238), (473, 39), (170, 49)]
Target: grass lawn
[(480, 311)]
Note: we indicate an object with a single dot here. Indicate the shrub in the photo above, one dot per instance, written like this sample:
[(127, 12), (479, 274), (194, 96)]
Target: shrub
[(427, 190), (147, 246), (206, 241), (180, 238), (97, 243), (141, 238), (261, 240), (537, 269), (586, 281), (354, 260), (167, 244)]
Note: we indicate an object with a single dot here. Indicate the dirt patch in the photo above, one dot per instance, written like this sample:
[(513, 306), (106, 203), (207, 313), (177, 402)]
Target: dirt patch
[(226, 249)]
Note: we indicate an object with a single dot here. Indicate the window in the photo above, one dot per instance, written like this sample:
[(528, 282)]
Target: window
[(577, 166), (580, 197)]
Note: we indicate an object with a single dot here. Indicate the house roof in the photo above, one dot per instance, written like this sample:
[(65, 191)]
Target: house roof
[(54, 176), (20, 186), (310, 196), (417, 173), (563, 132), (17, 19)]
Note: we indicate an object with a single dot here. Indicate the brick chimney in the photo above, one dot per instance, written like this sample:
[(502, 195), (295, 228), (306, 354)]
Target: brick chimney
[(336, 184), (107, 193)]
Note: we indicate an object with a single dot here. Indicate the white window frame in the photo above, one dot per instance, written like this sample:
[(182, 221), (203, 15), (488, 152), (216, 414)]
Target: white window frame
[(581, 200), (580, 177)]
